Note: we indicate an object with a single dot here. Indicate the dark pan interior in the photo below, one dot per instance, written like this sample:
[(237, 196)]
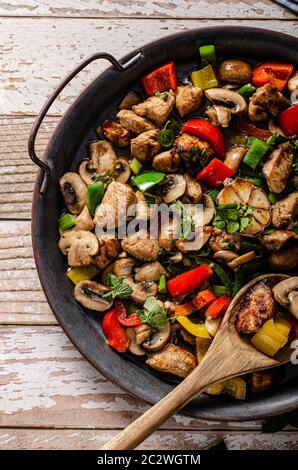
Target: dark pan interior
[(68, 146)]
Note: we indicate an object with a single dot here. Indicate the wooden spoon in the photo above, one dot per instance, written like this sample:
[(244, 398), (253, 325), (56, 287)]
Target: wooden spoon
[(229, 355)]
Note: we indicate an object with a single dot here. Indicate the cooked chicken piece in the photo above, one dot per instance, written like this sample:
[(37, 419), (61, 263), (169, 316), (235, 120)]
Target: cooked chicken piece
[(108, 250), (149, 272), (102, 156), (173, 360), (114, 206), (133, 122), (277, 168), (140, 247), (130, 100), (284, 260), (222, 240), (142, 208), (219, 115), (145, 146), (285, 212), (166, 162), (265, 102), (124, 267), (116, 133), (190, 147), (193, 189), (255, 309), (141, 290), (188, 99), (262, 380), (277, 239), (169, 232), (156, 108)]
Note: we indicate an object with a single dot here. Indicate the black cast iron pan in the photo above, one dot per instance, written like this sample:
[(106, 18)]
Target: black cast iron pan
[(68, 146)]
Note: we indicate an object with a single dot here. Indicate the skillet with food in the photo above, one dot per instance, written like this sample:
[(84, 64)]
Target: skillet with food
[(222, 137)]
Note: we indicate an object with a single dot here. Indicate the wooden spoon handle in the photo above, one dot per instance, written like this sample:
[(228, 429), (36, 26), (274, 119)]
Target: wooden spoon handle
[(137, 431)]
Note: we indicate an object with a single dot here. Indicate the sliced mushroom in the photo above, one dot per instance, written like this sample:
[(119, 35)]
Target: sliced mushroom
[(134, 347), (193, 189), (176, 257), (225, 255), (274, 128), (122, 170), (166, 162), (159, 339), (102, 156), (90, 295), (87, 172), (74, 192), (208, 209), (141, 290), (235, 71), (79, 246), (84, 220), (149, 272), (173, 188), (235, 263), (234, 157), (284, 260), (142, 332), (227, 98), (130, 100), (286, 294), (202, 235)]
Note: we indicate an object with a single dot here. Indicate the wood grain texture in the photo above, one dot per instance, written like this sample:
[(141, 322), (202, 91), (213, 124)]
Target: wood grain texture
[(45, 383), (36, 53), (73, 439), (144, 9)]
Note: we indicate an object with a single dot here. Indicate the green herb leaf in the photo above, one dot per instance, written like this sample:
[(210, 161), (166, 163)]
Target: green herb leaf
[(186, 220), (119, 288), (165, 137), (244, 223), (152, 313), (232, 227)]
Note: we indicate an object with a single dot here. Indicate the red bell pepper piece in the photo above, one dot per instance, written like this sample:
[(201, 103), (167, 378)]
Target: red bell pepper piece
[(161, 79), (123, 318), (208, 132), (115, 334), (215, 173), (184, 309), (219, 306), (249, 129), (203, 299), (272, 72), (288, 120), (187, 282)]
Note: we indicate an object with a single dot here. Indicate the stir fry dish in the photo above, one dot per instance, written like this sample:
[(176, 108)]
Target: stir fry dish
[(223, 138)]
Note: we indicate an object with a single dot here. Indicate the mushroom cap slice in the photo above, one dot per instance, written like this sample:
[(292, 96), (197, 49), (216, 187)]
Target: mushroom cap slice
[(79, 246), (141, 290), (159, 339), (286, 294), (174, 187), (208, 209), (89, 294), (87, 172), (122, 170), (232, 100), (149, 272), (203, 235), (134, 347), (244, 192), (74, 192), (102, 156), (84, 220)]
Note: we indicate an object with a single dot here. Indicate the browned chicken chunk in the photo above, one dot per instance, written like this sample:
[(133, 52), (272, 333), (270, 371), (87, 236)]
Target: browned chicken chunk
[(262, 380), (145, 146), (115, 203), (277, 168), (116, 133), (108, 251), (144, 249), (222, 240), (284, 260), (277, 239), (285, 212), (156, 108), (133, 122), (256, 307), (166, 162), (188, 99), (265, 102), (173, 360), (190, 147)]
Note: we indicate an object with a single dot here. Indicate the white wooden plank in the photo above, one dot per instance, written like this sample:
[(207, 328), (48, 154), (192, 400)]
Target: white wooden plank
[(36, 53), (148, 8), (44, 382), (74, 439)]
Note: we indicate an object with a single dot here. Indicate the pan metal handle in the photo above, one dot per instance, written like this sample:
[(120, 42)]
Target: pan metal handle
[(32, 137)]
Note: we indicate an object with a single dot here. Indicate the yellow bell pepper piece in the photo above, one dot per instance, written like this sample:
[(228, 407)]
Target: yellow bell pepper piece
[(202, 346), (196, 329), (216, 389), (283, 326), (235, 387), (265, 344), (269, 329), (204, 78), (82, 273)]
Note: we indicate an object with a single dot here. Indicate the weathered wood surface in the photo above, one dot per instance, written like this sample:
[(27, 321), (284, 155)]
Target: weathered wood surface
[(36, 53), (73, 439), (144, 9)]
